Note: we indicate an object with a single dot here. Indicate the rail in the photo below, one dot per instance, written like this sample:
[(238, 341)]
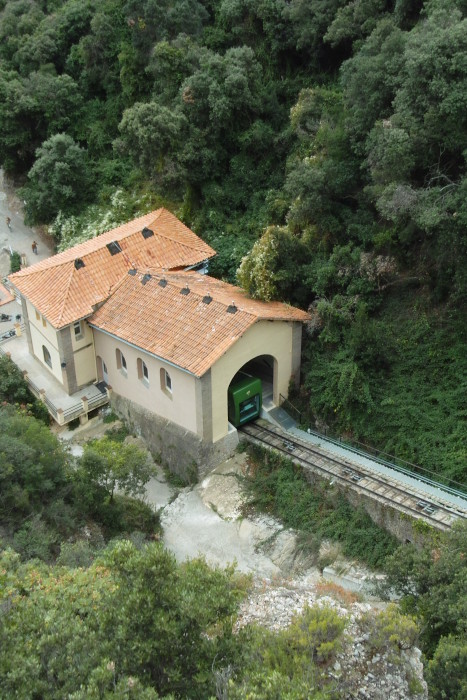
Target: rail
[(411, 499), (363, 450)]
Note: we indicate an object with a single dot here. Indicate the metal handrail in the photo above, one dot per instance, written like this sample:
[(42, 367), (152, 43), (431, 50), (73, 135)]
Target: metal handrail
[(284, 400), (411, 469)]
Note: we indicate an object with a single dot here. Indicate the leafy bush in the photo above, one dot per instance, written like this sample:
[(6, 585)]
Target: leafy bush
[(431, 582), (278, 486), (14, 390), (15, 261)]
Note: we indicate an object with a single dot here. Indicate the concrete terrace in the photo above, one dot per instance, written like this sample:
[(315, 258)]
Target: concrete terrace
[(44, 386)]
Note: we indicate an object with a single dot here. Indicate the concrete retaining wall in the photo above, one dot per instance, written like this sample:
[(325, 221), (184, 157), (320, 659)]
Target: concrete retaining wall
[(402, 526), (181, 450)]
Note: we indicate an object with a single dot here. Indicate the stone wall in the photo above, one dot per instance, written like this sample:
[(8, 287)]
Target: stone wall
[(399, 524), (182, 451)]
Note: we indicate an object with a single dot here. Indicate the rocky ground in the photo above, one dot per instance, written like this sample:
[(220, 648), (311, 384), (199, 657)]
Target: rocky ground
[(207, 520)]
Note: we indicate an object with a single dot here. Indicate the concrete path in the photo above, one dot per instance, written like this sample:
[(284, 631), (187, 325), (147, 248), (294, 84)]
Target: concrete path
[(20, 237)]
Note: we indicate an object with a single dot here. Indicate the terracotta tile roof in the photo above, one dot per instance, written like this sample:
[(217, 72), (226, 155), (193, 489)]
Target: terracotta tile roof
[(181, 327), (63, 293)]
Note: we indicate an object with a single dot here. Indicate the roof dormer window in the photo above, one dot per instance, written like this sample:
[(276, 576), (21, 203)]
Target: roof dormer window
[(114, 247)]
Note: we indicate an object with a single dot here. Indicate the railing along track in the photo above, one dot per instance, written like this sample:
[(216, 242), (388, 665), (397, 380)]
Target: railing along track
[(418, 504)]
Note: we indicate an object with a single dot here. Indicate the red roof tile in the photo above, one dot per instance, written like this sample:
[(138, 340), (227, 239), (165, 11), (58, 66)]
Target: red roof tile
[(182, 328), (63, 293)]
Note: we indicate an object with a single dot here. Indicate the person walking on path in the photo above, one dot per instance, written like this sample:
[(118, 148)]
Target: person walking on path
[(8, 222), (34, 247)]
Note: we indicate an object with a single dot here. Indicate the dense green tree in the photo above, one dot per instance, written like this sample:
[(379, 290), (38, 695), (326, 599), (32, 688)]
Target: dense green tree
[(34, 484), (152, 21), (370, 79), (272, 269), (433, 582), (59, 179), (113, 465), (152, 135), (19, 20), (446, 671), (133, 622), (14, 390)]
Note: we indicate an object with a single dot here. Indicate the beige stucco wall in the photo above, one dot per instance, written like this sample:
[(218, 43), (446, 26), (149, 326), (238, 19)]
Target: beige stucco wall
[(263, 338), (44, 335), (85, 365), (179, 406), (84, 355)]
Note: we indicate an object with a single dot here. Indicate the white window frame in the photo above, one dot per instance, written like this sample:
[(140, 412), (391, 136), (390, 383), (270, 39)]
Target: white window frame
[(121, 362), (143, 372), (78, 330), (166, 382)]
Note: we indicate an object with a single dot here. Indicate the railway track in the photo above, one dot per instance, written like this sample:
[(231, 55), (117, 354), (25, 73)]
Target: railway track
[(387, 490)]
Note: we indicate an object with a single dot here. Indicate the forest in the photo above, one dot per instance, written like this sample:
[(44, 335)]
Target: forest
[(318, 147)]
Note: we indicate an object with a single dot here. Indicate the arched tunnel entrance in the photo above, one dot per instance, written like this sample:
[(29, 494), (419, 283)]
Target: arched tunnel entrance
[(251, 390)]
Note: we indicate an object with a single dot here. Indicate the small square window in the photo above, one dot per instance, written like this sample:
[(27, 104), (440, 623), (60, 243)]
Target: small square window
[(114, 247)]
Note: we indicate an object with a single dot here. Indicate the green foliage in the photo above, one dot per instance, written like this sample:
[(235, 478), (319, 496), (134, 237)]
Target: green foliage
[(278, 486), (14, 390), (292, 662), (43, 501), (432, 582), (410, 373), (391, 630), (110, 417), (112, 465), (58, 180), (34, 485), (15, 261), (271, 269), (446, 671), (133, 624)]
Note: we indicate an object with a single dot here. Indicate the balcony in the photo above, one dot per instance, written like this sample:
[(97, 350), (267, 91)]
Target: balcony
[(62, 407)]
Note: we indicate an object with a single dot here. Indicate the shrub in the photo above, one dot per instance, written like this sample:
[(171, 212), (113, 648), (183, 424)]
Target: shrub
[(15, 262)]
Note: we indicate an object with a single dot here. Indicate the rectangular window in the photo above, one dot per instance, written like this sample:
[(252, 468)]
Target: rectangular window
[(166, 382), (121, 362), (44, 322), (143, 372), (47, 357), (38, 316), (78, 330), (114, 247)]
